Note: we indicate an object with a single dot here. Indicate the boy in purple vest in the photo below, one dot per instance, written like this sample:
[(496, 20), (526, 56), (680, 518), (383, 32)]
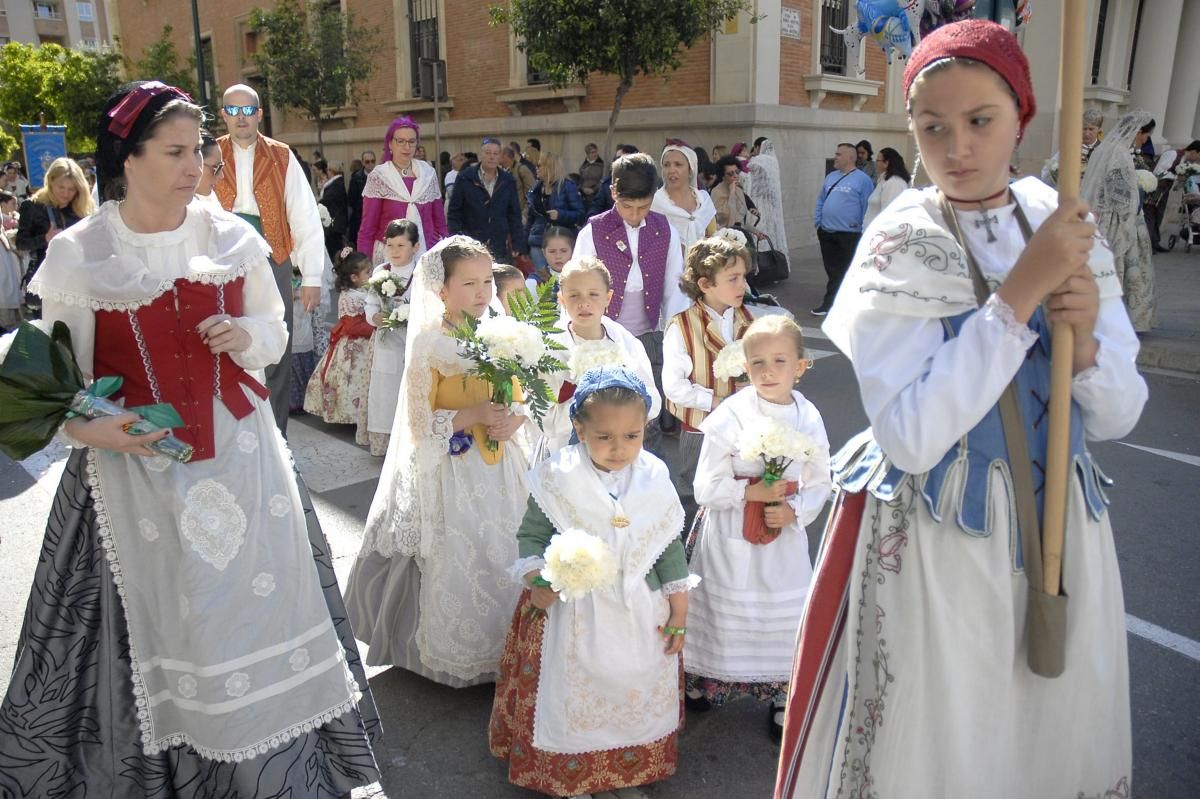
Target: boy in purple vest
[(644, 256)]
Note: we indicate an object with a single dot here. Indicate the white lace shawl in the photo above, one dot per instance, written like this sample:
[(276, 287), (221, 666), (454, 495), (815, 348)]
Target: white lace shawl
[(766, 191), (407, 509)]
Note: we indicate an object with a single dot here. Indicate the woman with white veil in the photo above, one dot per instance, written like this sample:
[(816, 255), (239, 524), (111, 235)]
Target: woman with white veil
[(766, 192), (431, 590), (1110, 188)]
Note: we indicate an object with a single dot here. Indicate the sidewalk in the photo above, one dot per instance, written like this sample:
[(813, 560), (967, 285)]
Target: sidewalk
[(1174, 343)]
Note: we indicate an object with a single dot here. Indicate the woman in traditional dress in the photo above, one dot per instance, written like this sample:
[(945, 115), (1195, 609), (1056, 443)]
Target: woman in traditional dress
[(431, 591), (402, 187), (689, 210), (766, 192), (1110, 188), (934, 553), (180, 637)]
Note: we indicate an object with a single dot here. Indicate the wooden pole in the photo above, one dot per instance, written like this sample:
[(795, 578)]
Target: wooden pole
[(1070, 140)]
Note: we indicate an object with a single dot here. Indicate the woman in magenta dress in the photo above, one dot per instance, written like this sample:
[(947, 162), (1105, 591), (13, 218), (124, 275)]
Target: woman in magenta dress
[(401, 187)]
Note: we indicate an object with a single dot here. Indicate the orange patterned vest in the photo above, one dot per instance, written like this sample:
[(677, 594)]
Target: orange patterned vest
[(702, 337), (270, 176)]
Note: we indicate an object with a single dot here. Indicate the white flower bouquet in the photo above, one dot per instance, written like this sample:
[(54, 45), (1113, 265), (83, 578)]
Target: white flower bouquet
[(1187, 169), (730, 363), (398, 317), (510, 339), (593, 355), (504, 348), (778, 446), (387, 286), (731, 234), (578, 563), (1146, 180), (324, 215)]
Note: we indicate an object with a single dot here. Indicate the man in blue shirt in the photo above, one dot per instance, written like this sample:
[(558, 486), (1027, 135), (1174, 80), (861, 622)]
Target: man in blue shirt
[(841, 206)]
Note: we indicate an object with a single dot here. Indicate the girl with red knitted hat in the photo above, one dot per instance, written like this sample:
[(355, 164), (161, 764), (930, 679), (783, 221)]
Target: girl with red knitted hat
[(912, 675)]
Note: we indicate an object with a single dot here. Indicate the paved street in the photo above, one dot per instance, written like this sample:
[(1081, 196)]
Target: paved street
[(435, 741)]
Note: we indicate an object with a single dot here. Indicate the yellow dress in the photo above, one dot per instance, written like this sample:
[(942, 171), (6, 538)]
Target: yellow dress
[(455, 392)]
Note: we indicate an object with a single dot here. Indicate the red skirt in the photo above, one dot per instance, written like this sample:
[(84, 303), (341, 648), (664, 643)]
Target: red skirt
[(510, 733)]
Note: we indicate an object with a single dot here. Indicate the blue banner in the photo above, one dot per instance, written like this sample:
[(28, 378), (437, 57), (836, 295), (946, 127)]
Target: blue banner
[(42, 146)]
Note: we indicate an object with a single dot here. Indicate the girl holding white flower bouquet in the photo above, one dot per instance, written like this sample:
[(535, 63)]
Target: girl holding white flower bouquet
[(588, 695), (430, 591), (763, 477), (337, 391), (386, 309), (591, 340), (715, 278)]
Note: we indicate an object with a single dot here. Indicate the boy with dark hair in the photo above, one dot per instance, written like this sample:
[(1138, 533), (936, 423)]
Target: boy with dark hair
[(642, 252), (603, 197)]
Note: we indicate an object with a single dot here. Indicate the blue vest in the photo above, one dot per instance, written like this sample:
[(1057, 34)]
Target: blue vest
[(862, 465)]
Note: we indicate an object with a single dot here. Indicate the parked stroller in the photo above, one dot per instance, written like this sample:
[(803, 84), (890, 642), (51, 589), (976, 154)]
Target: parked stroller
[(1189, 223)]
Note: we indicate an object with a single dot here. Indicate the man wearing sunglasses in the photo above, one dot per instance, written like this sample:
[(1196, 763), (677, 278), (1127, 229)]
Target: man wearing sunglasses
[(263, 183)]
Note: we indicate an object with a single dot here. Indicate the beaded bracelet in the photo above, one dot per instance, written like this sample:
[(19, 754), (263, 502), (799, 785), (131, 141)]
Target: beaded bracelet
[(675, 630)]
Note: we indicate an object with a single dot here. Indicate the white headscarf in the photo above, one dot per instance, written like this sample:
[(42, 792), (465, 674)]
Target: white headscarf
[(690, 225)]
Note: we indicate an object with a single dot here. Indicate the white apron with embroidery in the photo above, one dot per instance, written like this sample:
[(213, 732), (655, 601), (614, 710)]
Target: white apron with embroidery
[(232, 647), (606, 682)]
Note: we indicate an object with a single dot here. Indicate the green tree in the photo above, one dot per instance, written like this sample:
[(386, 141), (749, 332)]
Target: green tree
[(571, 39), (314, 58), (161, 61), (68, 87)]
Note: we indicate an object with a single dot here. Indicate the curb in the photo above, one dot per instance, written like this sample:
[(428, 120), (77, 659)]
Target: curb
[(1169, 354)]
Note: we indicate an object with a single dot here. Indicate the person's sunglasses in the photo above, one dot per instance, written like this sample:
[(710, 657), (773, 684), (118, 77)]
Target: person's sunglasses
[(216, 169), (244, 110)]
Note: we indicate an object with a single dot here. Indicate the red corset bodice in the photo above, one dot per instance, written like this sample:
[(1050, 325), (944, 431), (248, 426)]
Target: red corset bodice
[(161, 358)]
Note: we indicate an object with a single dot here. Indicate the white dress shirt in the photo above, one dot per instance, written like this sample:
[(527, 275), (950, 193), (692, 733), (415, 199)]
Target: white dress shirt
[(308, 237), (633, 312)]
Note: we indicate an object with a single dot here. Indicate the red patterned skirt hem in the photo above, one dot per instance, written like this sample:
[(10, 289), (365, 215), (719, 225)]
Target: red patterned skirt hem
[(510, 733)]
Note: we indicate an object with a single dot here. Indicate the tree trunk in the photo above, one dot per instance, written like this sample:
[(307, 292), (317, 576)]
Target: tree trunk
[(622, 89), (320, 136)]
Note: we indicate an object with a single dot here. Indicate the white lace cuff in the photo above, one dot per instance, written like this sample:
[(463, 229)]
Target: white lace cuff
[(679, 586), (999, 310), (443, 426), (524, 566)]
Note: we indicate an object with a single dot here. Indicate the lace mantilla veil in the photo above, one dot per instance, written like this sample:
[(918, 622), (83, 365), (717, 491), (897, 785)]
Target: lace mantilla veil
[(1110, 184), (407, 509), (767, 193)]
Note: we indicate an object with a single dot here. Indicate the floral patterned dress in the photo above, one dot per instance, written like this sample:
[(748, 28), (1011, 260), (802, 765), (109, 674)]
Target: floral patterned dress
[(337, 391)]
